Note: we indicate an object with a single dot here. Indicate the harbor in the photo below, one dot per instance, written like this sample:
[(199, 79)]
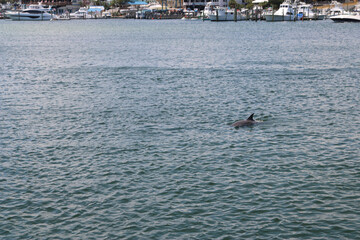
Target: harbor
[(235, 10), (121, 129)]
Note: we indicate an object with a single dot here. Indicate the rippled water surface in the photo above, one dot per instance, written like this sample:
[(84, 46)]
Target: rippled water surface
[(120, 129)]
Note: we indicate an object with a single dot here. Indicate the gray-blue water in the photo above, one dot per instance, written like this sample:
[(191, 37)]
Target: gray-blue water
[(120, 129)]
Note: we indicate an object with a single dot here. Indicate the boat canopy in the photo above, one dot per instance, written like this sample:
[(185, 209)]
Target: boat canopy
[(259, 1), (96, 9), (138, 3)]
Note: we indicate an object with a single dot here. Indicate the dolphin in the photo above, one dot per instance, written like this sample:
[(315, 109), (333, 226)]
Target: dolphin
[(242, 123)]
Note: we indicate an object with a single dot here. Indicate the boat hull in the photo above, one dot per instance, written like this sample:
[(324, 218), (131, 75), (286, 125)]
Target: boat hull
[(279, 18), (29, 17), (311, 17), (82, 16), (227, 17), (346, 18), (317, 17)]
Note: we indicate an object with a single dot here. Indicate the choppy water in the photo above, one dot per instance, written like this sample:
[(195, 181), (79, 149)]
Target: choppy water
[(119, 129)]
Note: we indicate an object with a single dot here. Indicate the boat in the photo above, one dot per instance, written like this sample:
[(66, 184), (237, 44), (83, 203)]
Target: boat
[(32, 13), (257, 13), (351, 17), (209, 7), (191, 15), (142, 14), (82, 13), (64, 16), (97, 12), (284, 13), (226, 14), (106, 14), (305, 12), (337, 9)]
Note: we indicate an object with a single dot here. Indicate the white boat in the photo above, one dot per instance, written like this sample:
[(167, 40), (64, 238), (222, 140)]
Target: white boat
[(141, 14), (209, 7), (32, 13), (305, 12), (284, 13), (337, 9), (225, 14), (82, 13), (354, 17), (64, 16), (191, 15), (257, 13), (106, 14)]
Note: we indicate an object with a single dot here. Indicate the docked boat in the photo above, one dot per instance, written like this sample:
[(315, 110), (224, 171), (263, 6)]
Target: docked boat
[(106, 14), (284, 13), (209, 7), (142, 14), (82, 13), (225, 14), (354, 17), (32, 13), (305, 12), (337, 9), (64, 16), (191, 15)]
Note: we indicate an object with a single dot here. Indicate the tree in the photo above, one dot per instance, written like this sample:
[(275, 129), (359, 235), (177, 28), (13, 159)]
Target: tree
[(119, 3), (274, 3), (234, 4), (102, 3)]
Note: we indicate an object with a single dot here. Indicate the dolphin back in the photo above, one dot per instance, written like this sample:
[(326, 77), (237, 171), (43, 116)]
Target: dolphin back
[(248, 122), (251, 118)]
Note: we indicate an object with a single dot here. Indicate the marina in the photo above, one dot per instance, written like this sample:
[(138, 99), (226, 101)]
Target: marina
[(289, 10)]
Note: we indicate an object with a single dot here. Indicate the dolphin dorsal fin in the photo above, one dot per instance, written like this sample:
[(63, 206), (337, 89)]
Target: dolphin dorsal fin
[(251, 118)]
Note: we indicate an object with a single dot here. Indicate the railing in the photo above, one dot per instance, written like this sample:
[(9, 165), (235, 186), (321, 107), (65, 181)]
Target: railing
[(49, 2)]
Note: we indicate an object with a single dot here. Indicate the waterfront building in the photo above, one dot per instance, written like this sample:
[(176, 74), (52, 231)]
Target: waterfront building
[(200, 4), (56, 3), (171, 3)]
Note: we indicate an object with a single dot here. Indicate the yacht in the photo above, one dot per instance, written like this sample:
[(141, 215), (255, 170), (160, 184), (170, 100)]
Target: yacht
[(32, 13), (284, 13), (337, 9), (225, 14), (82, 13), (351, 17), (209, 7), (305, 12)]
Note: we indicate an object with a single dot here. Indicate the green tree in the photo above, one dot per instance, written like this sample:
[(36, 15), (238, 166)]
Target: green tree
[(274, 3), (102, 3), (234, 4), (119, 3), (249, 4)]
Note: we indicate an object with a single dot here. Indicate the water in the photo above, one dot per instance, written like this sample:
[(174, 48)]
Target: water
[(120, 129)]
